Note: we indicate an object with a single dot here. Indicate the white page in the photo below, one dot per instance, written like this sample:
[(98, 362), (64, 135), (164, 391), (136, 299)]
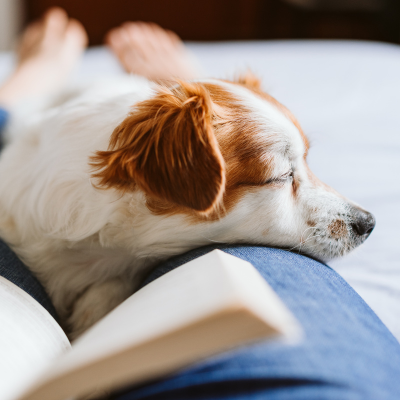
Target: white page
[(30, 339)]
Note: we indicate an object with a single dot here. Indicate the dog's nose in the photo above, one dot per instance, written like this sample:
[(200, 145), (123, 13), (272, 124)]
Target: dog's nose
[(363, 221)]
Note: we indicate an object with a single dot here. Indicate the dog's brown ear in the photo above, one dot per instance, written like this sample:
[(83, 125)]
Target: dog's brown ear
[(167, 147)]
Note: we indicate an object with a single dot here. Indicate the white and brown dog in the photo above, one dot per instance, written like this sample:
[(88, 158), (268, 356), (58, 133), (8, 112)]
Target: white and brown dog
[(97, 192)]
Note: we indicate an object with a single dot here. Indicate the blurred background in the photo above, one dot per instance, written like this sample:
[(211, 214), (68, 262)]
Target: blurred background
[(214, 20)]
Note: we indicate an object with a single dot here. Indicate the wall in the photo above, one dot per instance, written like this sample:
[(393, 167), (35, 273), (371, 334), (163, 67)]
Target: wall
[(239, 19)]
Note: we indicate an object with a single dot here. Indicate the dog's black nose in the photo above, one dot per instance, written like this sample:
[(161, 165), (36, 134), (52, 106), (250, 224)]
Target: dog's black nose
[(363, 221)]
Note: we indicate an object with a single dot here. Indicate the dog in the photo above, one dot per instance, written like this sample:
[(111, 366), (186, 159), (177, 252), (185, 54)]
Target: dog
[(101, 188)]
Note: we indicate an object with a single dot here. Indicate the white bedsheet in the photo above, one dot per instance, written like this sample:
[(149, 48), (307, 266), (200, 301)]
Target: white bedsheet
[(346, 96)]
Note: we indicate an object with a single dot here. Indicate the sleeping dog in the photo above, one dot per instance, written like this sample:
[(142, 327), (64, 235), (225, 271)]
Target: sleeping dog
[(101, 188)]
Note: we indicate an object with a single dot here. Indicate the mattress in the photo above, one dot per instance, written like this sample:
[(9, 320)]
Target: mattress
[(346, 96)]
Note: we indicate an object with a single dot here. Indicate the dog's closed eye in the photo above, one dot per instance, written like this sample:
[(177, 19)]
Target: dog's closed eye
[(287, 176)]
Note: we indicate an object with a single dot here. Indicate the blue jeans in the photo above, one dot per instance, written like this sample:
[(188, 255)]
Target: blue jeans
[(13, 269), (3, 120), (347, 353)]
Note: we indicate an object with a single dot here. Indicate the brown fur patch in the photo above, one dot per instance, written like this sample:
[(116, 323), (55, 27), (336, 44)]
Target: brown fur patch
[(337, 229), (242, 147), (295, 186), (253, 83)]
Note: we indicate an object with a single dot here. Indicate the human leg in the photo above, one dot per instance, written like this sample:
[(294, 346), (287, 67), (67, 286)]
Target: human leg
[(148, 50), (347, 353), (48, 51)]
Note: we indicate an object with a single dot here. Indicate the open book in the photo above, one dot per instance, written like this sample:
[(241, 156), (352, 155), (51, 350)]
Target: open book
[(206, 306)]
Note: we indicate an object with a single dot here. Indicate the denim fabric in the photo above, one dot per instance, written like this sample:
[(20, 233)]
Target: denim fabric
[(347, 353), (3, 120), (13, 269)]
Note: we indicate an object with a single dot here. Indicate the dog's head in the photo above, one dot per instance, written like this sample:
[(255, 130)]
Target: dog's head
[(226, 153)]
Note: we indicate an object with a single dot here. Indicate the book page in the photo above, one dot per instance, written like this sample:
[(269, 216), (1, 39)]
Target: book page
[(30, 339), (203, 307)]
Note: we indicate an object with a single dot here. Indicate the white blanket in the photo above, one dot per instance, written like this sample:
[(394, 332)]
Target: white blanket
[(346, 96)]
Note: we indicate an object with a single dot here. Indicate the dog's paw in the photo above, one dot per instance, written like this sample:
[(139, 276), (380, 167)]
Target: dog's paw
[(97, 301)]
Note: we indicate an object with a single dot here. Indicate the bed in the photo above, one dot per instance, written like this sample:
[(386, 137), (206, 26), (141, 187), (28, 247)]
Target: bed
[(346, 95)]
